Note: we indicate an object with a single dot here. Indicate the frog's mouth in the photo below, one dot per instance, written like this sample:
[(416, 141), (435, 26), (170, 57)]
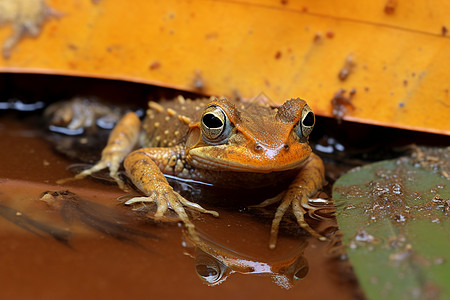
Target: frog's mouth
[(244, 160)]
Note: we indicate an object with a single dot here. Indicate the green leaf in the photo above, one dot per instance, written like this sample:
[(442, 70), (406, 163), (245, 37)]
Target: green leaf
[(395, 220)]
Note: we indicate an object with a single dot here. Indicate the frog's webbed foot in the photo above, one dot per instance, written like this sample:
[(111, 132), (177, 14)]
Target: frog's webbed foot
[(296, 198), (111, 162), (120, 143), (164, 197)]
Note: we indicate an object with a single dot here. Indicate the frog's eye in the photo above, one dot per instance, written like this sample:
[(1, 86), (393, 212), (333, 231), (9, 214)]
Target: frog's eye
[(215, 125), (211, 270), (306, 123)]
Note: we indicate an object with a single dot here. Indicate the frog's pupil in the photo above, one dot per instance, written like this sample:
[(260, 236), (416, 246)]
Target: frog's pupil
[(211, 121), (309, 119), (301, 273), (206, 271)]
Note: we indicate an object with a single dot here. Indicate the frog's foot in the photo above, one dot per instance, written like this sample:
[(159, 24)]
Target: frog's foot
[(278, 198), (102, 164), (270, 201), (120, 143), (164, 197), (297, 199)]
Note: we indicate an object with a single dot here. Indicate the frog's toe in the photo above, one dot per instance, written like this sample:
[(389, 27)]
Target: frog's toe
[(176, 202), (281, 210), (299, 212), (103, 164), (164, 197), (159, 199), (139, 200), (196, 207), (269, 201)]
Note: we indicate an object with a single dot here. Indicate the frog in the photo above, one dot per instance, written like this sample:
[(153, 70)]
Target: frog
[(223, 142)]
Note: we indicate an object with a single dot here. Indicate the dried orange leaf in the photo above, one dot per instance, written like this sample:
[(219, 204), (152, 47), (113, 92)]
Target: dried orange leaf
[(394, 55)]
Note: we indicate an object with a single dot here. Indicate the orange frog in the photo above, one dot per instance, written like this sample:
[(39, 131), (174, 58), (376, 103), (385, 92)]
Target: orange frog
[(218, 141)]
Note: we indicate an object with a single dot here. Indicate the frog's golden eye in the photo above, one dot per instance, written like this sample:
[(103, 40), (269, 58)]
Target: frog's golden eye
[(215, 125), (306, 123)]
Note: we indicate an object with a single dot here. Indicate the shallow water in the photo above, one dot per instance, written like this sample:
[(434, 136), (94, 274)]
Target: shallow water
[(97, 248)]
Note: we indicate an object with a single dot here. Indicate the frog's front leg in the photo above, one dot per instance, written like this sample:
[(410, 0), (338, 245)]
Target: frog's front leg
[(143, 168), (121, 141), (307, 182)]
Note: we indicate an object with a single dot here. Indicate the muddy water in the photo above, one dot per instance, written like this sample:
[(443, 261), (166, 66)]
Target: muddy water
[(99, 249)]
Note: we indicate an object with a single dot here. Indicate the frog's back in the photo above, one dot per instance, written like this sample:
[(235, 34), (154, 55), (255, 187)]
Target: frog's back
[(167, 122)]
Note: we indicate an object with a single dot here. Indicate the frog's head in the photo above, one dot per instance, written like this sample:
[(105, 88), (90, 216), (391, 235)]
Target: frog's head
[(250, 137)]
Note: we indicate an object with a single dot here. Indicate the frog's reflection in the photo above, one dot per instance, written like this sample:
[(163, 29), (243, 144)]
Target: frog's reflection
[(214, 263)]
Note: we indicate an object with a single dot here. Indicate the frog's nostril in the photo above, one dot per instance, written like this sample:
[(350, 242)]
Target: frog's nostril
[(258, 147), (286, 147)]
